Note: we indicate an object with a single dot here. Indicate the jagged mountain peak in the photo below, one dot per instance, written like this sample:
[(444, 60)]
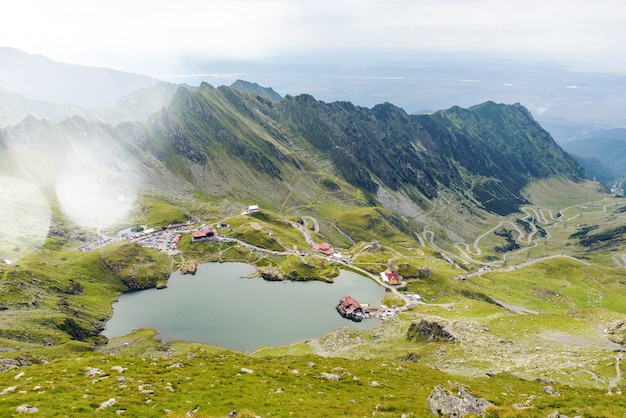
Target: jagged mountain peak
[(254, 88), (384, 147), (487, 153)]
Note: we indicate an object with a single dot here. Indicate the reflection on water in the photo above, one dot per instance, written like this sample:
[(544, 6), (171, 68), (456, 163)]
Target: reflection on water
[(217, 306)]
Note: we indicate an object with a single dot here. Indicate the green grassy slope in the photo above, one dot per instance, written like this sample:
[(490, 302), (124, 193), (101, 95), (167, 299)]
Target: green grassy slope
[(527, 322), (213, 382), (533, 297)]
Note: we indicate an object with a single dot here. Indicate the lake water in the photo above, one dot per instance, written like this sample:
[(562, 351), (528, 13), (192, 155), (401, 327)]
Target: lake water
[(218, 306)]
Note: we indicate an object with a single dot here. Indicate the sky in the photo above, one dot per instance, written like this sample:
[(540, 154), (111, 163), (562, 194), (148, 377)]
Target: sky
[(122, 34)]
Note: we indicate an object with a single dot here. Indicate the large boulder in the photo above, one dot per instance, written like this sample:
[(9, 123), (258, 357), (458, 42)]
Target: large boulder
[(616, 332), (429, 331), (446, 404)]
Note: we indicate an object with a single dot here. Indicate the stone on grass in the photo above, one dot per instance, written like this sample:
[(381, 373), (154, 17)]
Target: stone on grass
[(375, 384), (175, 366), (27, 409), (330, 376), (443, 403), (556, 414), (93, 371), (246, 370), (107, 403), (551, 391), (8, 390)]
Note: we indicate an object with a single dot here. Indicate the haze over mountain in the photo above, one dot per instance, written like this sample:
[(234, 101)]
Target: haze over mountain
[(606, 146), (567, 101), (41, 78), (44, 88), (225, 141), (564, 96)]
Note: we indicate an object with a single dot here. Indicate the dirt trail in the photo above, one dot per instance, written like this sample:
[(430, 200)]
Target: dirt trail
[(614, 383), (517, 309)]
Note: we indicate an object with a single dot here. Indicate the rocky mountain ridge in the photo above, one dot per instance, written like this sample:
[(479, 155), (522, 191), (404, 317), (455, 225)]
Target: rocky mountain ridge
[(487, 153), (223, 141)]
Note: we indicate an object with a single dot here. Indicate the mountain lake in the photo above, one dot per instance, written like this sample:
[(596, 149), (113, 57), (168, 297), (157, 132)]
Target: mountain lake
[(219, 306)]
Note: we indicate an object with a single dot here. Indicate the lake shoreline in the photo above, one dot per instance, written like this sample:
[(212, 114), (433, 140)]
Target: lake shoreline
[(210, 305)]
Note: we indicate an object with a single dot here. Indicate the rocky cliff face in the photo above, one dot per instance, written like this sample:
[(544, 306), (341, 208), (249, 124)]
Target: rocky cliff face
[(246, 143), (487, 153)]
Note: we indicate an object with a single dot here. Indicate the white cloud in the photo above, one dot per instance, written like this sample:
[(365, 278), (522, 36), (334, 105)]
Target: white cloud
[(95, 31), (24, 216), (543, 108), (94, 182)]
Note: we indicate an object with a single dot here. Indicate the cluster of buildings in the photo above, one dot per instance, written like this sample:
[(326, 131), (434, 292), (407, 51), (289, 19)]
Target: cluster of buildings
[(96, 244), (166, 240), (162, 240)]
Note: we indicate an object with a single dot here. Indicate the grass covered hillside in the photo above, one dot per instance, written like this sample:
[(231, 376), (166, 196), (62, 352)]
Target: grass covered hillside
[(532, 330), (517, 262)]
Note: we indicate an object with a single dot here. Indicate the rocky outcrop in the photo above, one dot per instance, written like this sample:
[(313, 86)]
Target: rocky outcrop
[(77, 329), (330, 376), (446, 404), (14, 363), (429, 331), (271, 274), (549, 390), (616, 332)]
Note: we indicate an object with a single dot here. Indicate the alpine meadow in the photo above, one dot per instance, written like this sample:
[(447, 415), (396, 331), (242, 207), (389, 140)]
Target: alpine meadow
[(501, 259)]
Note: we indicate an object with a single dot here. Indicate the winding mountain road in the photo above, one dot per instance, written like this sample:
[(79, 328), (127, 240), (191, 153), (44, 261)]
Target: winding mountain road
[(542, 216)]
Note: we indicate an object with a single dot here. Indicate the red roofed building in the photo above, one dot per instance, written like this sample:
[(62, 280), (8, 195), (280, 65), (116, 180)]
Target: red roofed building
[(323, 248), (350, 308), (391, 277), (203, 235)]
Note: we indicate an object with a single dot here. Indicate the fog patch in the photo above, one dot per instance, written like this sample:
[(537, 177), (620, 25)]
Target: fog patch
[(93, 189), (25, 218), (94, 179)]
